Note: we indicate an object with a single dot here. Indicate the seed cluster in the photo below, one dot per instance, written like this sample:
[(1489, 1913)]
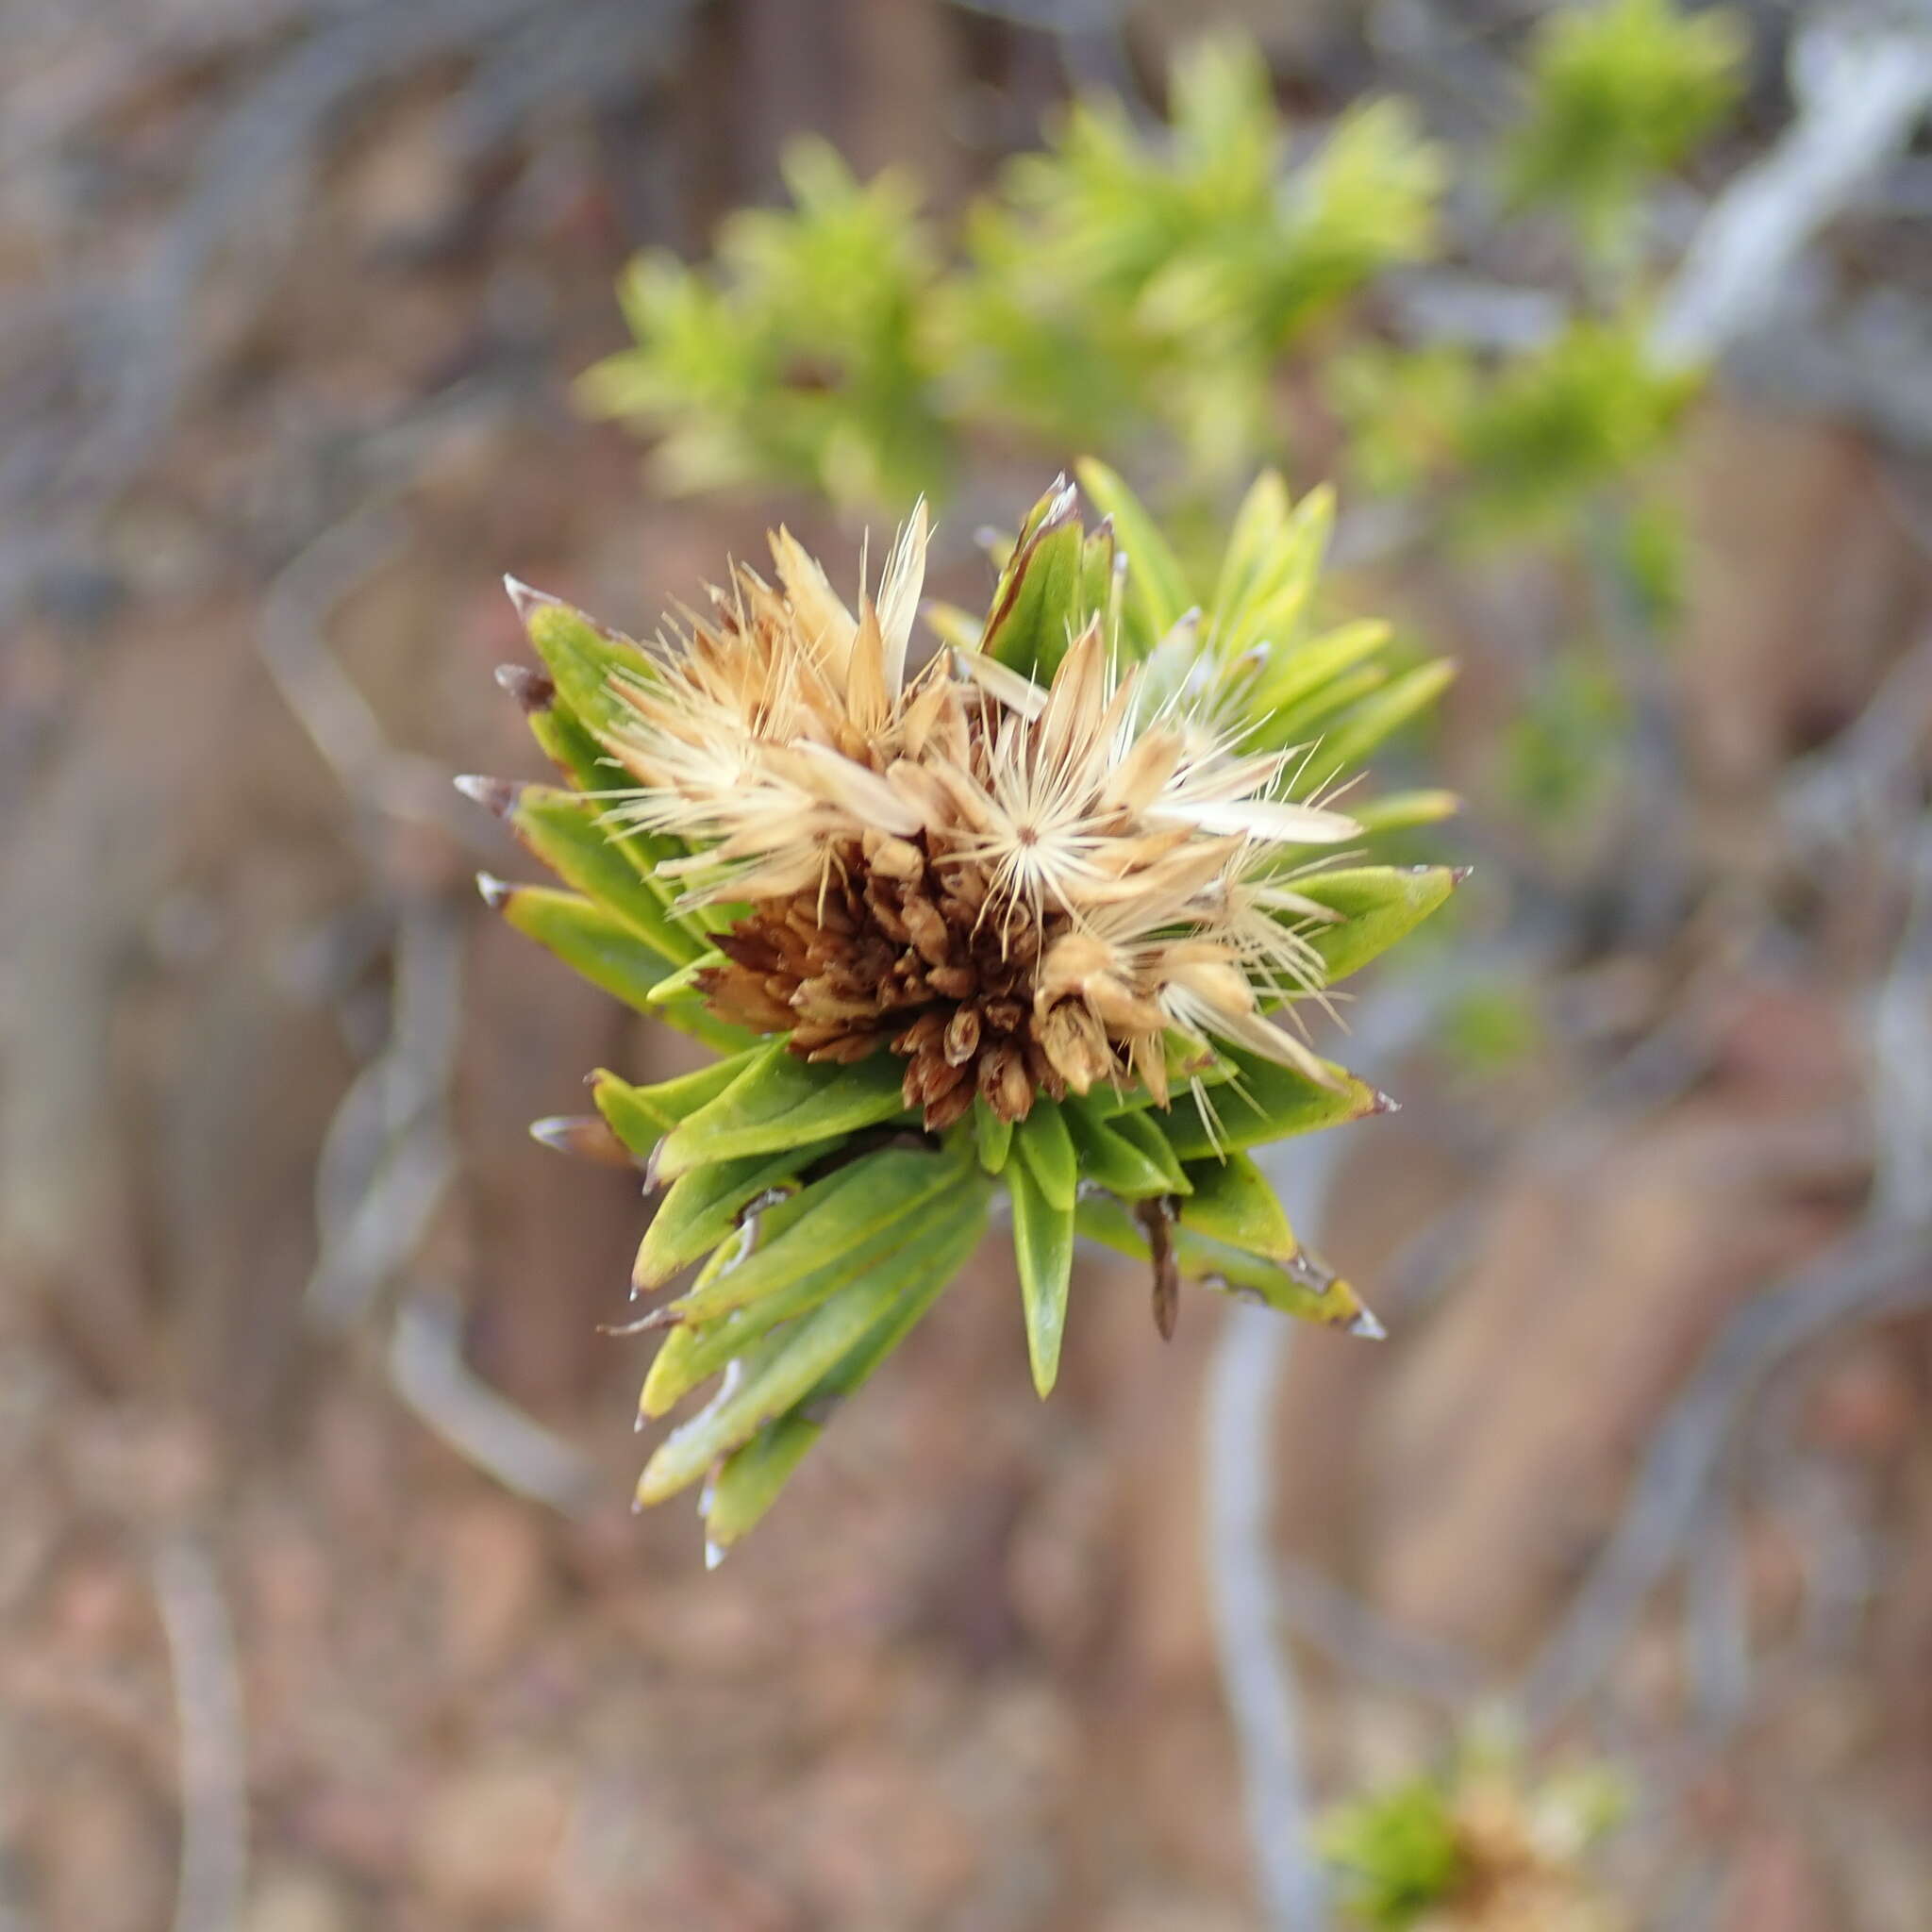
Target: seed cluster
[(897, 952), (1018, 887)]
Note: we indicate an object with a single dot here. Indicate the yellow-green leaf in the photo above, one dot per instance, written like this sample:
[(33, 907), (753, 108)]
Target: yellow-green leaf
[(1155, 592), (1266, 1102), (780, 1100), (1046, 1149), (1303, 1289), (1233, 1203), (1379, 905), (1044, 1250)]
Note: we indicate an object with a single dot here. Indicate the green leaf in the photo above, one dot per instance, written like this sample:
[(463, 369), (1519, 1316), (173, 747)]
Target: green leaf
[(1402, 812), (1308, 716), (777, 1378), (700, 1208), (1037, 599), (1362, 729), (582, 658), (1124, 1153), (572, 749), (1147, 1134), (992, 1135), (1273, 559), (1301, 1290), (780, 1100), (1156, 591), (641, 1116), (1379, 905), (565, 830), (1101, 583), (1233, 1203), (604, 949), (681, 988), (1110, 1160), (753, 1476), (822, 1223), (1251, 539), (1297, 671), (1046, 1149), (1044, 1250), (1265, 1102)]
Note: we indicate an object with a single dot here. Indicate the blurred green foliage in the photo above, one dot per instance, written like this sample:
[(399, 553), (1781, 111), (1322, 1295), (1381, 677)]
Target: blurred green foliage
[(1398, 1854), (1618, 92), (1186, 297)]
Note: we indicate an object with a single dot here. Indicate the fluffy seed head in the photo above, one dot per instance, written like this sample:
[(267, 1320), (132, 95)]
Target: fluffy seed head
[(1015, 887)]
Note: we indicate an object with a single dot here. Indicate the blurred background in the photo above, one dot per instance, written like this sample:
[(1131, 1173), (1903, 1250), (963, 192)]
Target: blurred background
[(1599, 1595)]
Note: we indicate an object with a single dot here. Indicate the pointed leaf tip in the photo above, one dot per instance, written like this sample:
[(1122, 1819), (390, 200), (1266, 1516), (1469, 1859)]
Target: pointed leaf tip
[(525, 599), (1385, 1103), (498, 795), (1459, 873), (534, 691), (494, 892), (585, 1136), (1368, 1328)]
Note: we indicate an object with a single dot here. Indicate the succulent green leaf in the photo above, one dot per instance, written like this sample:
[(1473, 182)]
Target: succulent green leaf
[(1402, 812), (1145, 1129), (571, 748), (589, 939), (700, 1208), (1110, 1160), (779, 1377), (1037, 600), (1101, 583), (1266, 1102), (1273, 559), (1379, 905), (681, 988), (1123, 1150), (1044, 1250), (1251, 542), (583, 659), (565, 830), (1233, 1203), (1046, 1149), (1308, 717), (1386, 710), (1301, 1290), (753, 1476), (780, 1100), (1297, 670), (992, 1135), (1156, 593), (822, 1223), (642, 1116)]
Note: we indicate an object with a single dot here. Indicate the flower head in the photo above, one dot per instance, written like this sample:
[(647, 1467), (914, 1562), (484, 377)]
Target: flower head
[(1033, 916), (1018, 888)]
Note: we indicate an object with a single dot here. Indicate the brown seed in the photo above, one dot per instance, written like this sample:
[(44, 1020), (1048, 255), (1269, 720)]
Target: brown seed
[(948, 1107), (924, 1032), (1003, 1083), (962, 1037), (929, 930), (853, 1047)]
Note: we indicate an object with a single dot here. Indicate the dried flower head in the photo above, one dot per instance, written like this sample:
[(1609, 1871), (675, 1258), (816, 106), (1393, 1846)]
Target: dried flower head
[(1017, 888), (1039, 913)]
